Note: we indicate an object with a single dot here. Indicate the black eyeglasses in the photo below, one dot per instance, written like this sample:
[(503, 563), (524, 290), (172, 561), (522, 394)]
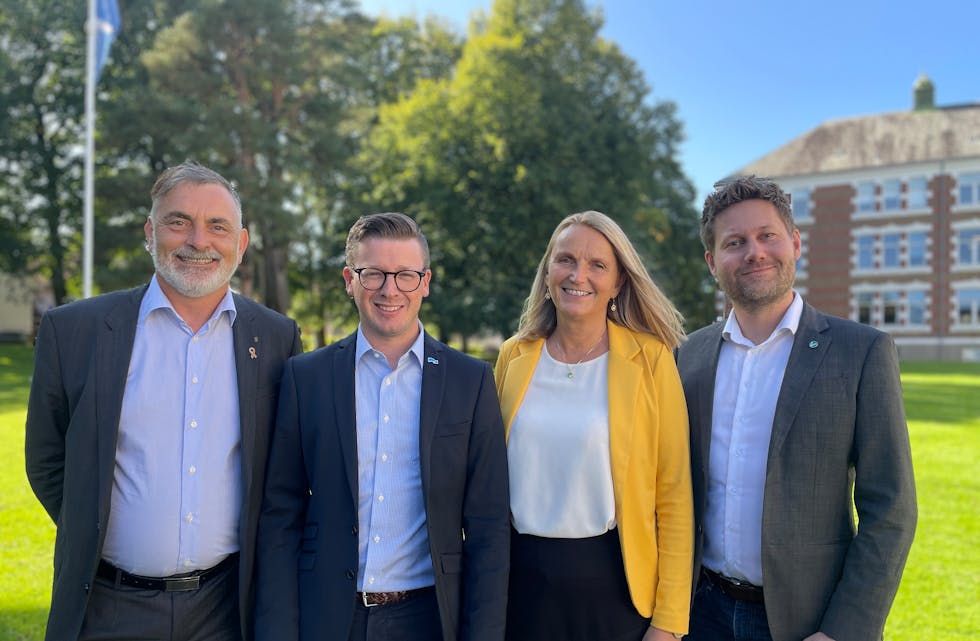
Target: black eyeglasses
[(371, 279)]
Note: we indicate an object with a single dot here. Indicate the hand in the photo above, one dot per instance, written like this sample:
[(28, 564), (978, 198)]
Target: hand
[(818, 636), (656, 634)]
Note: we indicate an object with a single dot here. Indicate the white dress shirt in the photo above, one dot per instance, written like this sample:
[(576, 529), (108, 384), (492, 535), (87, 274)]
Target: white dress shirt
[(747, 384)]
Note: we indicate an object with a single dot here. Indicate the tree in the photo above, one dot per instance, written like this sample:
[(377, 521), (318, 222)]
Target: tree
[(42, 68), (542, 118)]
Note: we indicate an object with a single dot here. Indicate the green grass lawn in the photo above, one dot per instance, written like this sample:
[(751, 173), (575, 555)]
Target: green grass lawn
[(937, 601)]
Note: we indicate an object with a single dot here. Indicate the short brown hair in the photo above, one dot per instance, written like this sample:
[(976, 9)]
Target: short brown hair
[(391, 225), (732, 191)]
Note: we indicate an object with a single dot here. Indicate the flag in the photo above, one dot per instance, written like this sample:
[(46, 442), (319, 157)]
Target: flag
[(106, 26)]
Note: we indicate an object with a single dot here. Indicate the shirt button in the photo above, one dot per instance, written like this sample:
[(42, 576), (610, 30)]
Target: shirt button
[(371, 580), (381, 499), (196, 338), (194, 379), (387, 381), (377, 355), (193, 424), (192, 469), (384, 457), (386, 418), (377, 539), (189, 518)]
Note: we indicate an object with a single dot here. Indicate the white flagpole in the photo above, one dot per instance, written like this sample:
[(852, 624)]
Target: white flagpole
[(88, 226)]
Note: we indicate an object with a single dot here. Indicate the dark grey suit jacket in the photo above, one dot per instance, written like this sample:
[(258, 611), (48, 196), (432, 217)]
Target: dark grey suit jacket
[(308, 538), (839, 427), (81, 360)]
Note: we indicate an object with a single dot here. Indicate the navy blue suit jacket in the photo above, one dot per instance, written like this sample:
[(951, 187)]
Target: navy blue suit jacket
[(308, 537)]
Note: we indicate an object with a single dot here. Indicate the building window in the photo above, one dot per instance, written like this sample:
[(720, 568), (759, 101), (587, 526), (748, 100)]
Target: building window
[(916, 302), (968, 241), (865, 304), (890, 303), (969, 189), (917, 249), (968, 306), (892, 250), (891, 195), (800, 201), (918, 195), (866, 197), (866, 252)]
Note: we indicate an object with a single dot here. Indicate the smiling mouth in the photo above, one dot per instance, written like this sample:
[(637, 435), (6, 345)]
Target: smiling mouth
[(575, 292), (388, 308)]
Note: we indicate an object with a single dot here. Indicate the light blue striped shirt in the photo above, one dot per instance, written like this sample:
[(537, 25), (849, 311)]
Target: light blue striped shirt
[(393, 542), (176, 492)]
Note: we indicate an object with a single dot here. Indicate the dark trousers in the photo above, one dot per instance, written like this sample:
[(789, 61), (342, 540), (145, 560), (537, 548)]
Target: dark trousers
[(122, 613), (414, 619), (716, 616)]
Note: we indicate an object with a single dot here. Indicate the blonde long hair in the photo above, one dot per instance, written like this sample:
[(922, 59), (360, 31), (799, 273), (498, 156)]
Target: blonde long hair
[(640, 305)]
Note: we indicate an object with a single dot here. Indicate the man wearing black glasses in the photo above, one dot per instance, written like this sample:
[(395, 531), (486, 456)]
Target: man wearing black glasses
[(386, 510)]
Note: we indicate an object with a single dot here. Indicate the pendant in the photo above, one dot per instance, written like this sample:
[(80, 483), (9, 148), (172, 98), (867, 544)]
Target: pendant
[(571, 374)]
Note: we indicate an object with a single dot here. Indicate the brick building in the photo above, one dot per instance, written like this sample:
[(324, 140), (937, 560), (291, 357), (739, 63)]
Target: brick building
[(888, 207)]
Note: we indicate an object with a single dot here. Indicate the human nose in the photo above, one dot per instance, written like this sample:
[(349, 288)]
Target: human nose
[(198, 237), (388, 286), (754, 251)]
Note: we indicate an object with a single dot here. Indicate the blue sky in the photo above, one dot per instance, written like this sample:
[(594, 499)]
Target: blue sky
[(750, 76)]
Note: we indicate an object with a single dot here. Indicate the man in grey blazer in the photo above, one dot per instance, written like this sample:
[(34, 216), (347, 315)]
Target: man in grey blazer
[(148, 427), (386, 514), (797, 422)]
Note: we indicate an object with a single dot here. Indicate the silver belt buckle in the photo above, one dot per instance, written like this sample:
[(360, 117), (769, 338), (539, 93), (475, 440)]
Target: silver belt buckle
[(365, 601), (182, 584)]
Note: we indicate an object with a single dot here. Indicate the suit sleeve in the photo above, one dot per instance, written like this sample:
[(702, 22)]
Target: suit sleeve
[(47, 422), (280, 524), (884, 495), (486, 522)]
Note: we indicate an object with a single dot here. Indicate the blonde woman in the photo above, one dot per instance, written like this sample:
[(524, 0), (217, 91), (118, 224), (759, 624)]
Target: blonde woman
[(597, 432)]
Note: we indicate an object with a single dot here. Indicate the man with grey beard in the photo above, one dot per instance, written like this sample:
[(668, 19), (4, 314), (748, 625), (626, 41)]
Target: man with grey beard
[(148, 427)]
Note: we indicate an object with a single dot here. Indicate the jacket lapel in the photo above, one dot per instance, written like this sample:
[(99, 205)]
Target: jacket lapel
[(706, 354), (518, 377), (433, 387), (345, 407), (623, 383), (113, 353), (245, 335), (809, 348)]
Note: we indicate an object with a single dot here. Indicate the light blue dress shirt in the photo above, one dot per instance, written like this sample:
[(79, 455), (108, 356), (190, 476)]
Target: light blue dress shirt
[(393, 542), (176, 492)]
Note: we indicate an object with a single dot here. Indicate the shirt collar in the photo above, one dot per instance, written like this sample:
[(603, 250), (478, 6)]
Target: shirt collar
[(788, 323), (155, 299), (417, 348)]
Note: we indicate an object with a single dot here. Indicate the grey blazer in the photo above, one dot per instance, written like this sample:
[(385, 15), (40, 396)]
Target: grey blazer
[(81, 360), (839, 427)]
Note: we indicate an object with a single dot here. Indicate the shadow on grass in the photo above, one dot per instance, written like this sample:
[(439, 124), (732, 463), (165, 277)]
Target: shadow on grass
[(941, 401), (22, 624)]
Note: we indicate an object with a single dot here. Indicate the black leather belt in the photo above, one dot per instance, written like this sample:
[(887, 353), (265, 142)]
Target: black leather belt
[(179, 583), (370, 599), (735, 589)]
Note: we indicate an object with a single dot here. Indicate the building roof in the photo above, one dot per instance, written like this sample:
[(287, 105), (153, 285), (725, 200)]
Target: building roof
[(881, 140)]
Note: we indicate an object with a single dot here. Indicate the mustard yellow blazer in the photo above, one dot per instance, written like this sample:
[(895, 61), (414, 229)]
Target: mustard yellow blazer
[(651, 468)]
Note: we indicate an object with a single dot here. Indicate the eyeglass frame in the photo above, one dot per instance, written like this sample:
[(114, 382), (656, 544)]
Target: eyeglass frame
[(421, 275)]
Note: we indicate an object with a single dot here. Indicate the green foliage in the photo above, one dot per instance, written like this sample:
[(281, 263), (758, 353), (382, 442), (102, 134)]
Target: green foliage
[(542, 118), (41, 89)]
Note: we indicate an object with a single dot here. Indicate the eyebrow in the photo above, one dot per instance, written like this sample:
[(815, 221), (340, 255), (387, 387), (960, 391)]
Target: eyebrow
[(184, 216)]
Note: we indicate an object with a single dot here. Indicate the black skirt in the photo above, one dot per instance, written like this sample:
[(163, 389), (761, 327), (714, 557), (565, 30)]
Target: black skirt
[(570, 590)]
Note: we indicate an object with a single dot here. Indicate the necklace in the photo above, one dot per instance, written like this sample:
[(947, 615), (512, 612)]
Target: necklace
[(571, 368)]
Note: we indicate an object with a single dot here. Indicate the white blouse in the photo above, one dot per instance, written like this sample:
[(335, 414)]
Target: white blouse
[(558, 452)]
